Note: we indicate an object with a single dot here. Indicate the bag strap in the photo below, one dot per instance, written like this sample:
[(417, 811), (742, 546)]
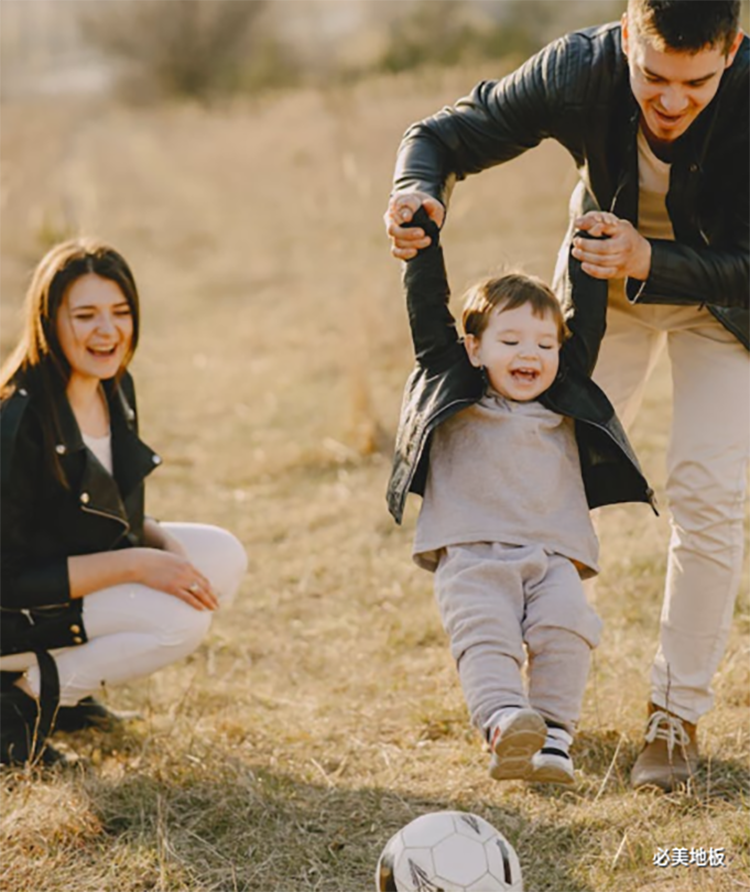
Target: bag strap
[(49, 697)]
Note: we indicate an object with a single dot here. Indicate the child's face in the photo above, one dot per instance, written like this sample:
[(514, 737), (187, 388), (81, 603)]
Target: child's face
[(520, 352)]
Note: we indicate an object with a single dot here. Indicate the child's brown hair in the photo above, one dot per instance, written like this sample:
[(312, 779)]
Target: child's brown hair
[(506, 293)]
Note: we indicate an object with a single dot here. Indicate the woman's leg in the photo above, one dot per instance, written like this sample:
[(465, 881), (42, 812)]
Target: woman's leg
[(134, 630), (218, 554)]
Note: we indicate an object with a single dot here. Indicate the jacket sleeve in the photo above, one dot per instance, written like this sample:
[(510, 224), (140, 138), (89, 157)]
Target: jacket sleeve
[(586, 321), (498, 121), (433, 328), (684, 275), (25, 581)]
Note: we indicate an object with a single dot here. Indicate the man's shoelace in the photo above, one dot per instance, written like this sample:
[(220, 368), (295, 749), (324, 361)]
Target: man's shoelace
[(667, 727)]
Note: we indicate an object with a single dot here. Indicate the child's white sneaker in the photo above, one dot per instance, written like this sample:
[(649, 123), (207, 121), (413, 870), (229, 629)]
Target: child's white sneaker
[(552, 764), (514, 736)]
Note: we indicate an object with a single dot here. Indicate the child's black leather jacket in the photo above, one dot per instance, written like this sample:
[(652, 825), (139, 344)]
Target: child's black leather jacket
[(444, 382)]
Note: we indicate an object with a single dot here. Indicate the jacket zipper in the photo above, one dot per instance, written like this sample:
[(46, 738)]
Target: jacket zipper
[(108, 516)]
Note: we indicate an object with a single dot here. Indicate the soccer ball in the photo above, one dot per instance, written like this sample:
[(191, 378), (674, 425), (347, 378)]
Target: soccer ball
[(448, 851)]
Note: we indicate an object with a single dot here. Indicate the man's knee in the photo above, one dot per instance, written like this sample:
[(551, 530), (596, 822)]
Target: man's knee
[(704, 499)]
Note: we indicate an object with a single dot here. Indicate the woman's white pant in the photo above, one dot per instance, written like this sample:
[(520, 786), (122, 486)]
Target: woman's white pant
[(133, 630)]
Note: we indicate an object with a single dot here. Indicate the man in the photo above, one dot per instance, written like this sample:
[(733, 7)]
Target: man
[(654, 111)]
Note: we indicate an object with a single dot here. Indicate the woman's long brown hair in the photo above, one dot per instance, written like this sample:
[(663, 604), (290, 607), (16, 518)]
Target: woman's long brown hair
[(38, 361)]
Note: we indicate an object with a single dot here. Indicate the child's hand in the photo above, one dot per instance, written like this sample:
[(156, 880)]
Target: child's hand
[(406, 241)]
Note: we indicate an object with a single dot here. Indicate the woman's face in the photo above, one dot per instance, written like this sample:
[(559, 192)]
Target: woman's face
[(95, 327)]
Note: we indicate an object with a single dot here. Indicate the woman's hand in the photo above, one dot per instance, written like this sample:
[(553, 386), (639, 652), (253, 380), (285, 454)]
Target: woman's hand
[(174, 574)]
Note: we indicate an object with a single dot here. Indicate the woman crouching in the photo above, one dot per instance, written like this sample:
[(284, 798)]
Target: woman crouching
[(93, 592)]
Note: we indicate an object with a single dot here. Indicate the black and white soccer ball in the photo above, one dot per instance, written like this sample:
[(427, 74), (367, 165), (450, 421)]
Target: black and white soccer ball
[(448, 851)]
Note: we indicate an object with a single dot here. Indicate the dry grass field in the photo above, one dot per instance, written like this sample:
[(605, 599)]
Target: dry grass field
[(323, 711)]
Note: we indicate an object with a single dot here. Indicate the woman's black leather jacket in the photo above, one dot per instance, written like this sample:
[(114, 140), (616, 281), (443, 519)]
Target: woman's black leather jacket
[(44, 522)]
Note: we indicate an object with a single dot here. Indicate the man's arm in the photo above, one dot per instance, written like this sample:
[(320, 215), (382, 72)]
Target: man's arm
[(498, 121), (661, 271)]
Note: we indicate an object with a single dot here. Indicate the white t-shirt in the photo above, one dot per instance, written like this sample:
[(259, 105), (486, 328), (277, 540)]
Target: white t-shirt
[(101, 447), (653, 219)]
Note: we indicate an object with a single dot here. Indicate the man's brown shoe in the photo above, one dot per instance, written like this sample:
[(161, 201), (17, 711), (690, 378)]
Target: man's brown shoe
[(670, 755)]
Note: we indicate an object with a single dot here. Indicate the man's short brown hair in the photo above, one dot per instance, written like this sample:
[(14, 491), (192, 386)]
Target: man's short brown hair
[(687, 26), (506, 293)]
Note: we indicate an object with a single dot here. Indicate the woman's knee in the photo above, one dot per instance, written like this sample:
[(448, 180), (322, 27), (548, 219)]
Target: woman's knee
[(217, 553), (183, 627)]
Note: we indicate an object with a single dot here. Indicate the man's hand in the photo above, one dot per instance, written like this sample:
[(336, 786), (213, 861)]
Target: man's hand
[(626, 253), (405, 242)]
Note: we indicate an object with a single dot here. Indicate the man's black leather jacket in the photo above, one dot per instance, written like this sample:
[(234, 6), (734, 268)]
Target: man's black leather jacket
[(444, 382), (577, 91)]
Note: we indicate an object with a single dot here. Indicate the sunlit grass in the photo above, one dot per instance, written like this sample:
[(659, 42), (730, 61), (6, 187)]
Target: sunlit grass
[(323, 710)]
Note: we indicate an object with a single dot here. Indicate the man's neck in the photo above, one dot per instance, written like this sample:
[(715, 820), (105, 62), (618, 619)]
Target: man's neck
[(663, 149)]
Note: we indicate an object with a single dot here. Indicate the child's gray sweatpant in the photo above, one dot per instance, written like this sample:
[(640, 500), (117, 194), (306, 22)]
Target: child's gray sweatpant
[(495, 598)]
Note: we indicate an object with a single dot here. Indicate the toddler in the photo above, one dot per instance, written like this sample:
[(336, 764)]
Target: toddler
[(510, 443)]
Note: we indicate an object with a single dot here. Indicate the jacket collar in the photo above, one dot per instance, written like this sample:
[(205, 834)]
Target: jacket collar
[(132, 459)]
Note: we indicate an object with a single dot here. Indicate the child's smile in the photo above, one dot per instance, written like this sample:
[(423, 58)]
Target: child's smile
[(519, 351)]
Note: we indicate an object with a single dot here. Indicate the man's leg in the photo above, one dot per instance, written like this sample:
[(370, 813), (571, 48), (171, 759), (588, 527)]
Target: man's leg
[(706, 478), (706, 481), (628, 354)]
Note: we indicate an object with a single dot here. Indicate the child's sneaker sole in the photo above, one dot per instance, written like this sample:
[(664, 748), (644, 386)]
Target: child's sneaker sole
[(548, 768), (515, 745)]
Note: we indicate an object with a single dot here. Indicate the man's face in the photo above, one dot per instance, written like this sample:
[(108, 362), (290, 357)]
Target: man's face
[(672, 88)]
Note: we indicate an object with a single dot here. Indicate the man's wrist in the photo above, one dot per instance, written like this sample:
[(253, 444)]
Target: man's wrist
[(642, 268)]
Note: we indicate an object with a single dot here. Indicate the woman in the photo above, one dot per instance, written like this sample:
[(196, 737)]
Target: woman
[(93, 592)]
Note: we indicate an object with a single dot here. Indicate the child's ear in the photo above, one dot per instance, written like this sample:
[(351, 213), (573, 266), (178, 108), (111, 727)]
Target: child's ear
[(473, 344)]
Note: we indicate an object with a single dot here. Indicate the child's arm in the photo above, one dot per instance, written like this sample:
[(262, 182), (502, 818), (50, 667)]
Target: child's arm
[(433, 328), (588, 321)]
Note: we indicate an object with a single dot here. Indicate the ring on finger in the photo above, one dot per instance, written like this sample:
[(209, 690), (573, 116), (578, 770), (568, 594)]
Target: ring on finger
[(193, 587)]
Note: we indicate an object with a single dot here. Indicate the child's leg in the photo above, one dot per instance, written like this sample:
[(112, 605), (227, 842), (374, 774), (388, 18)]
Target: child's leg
[(560, 630), (480, 596)]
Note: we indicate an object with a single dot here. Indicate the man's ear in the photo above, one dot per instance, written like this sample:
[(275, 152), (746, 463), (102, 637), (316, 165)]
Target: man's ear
[(625, 39), (472, 344), (734, 47)]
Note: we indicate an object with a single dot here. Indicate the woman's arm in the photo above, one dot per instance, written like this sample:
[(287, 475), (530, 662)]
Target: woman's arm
[(154, 567), (155, 536), (30, 581)]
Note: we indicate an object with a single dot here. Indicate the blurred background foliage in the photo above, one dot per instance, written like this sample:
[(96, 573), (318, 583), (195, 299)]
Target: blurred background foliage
[(148, 50)]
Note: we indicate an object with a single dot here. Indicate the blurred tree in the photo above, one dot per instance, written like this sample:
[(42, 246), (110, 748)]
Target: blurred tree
[(444, 34), (192, 48)]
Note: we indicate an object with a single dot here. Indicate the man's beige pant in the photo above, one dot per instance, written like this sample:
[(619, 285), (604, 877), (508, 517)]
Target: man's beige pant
[(706, 480)]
